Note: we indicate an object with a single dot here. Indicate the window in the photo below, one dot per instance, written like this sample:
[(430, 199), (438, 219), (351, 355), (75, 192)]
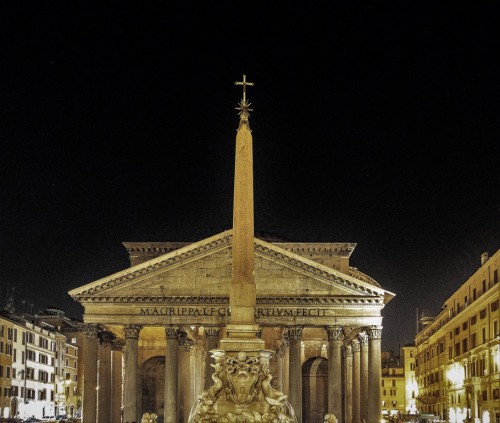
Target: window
[(474, 294), (1, 347), (494, 305), (393, 382), (15, 391), (473, 340), (457, 330), (457, 348), (1, 371), (30, 337), (485, 395), (8, 372), (482, 314), (495, 276), (464, 325), (44, 343), (30, 394), (31, 355), (464, 345), (43, 376), (30, 373), (496, 393), (8, 349), (473, 320), (495, 328), (483, 335)]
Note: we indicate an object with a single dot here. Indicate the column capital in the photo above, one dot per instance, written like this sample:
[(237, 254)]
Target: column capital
[(117, 344), (132, 331), (172, 332), (355, 345), (295, 332), (347, 350), (91, 330), (363, 339), (335, 333), (374, 332), (106, 337), (212, 332)]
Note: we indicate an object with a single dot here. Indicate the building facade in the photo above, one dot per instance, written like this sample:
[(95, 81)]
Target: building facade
[(457, 355), (34, 368)]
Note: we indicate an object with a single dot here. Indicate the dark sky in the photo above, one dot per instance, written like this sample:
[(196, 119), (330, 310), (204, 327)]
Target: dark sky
[(374, 123)]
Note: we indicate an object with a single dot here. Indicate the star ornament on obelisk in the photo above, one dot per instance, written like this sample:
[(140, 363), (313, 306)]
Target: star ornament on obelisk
[(242, 330)]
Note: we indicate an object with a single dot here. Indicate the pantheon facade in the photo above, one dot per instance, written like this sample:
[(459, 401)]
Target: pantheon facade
[(150, 329)]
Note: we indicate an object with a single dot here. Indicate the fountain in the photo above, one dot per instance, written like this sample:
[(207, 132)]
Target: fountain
[(242, 390)]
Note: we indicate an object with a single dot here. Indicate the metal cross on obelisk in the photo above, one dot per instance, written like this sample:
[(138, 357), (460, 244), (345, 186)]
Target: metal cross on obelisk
[(244, 83)]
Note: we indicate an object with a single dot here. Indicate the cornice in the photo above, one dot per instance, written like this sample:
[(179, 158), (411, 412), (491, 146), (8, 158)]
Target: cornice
[(316, 270), (176, 257), (284, 301), (216, 243)]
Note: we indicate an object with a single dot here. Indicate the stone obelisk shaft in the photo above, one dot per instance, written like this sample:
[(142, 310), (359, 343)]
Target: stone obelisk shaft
[(242, 295)]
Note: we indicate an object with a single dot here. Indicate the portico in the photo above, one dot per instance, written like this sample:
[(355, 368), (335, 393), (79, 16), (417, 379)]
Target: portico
[(176, 306)]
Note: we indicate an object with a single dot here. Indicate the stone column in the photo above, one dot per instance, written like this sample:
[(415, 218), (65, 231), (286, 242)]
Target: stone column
[(374, 374), (363, 341), (356, 362), (295, 370), (104, 378), (116, 380), (335, 336), (348, 383), (172, 373), (89, 412), (211, 338), (130, 383), (279, 369), (185, 381)]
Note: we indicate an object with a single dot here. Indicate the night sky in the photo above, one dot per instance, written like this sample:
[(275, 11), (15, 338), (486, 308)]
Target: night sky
[(373, 123)]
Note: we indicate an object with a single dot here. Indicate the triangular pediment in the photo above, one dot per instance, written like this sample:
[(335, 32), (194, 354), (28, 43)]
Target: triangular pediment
[(204, 269)]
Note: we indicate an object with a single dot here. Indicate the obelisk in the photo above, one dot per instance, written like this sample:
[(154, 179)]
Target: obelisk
[(242, 389), (241, 332)]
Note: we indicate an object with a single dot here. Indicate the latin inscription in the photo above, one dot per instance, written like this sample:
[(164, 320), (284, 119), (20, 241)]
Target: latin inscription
[(224, 311)]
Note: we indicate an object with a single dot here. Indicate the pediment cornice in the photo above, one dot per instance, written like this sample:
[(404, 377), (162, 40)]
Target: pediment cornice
[(220, 300), (195, 251)]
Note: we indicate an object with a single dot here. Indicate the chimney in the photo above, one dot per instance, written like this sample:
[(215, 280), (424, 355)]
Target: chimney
[(484, 258)]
